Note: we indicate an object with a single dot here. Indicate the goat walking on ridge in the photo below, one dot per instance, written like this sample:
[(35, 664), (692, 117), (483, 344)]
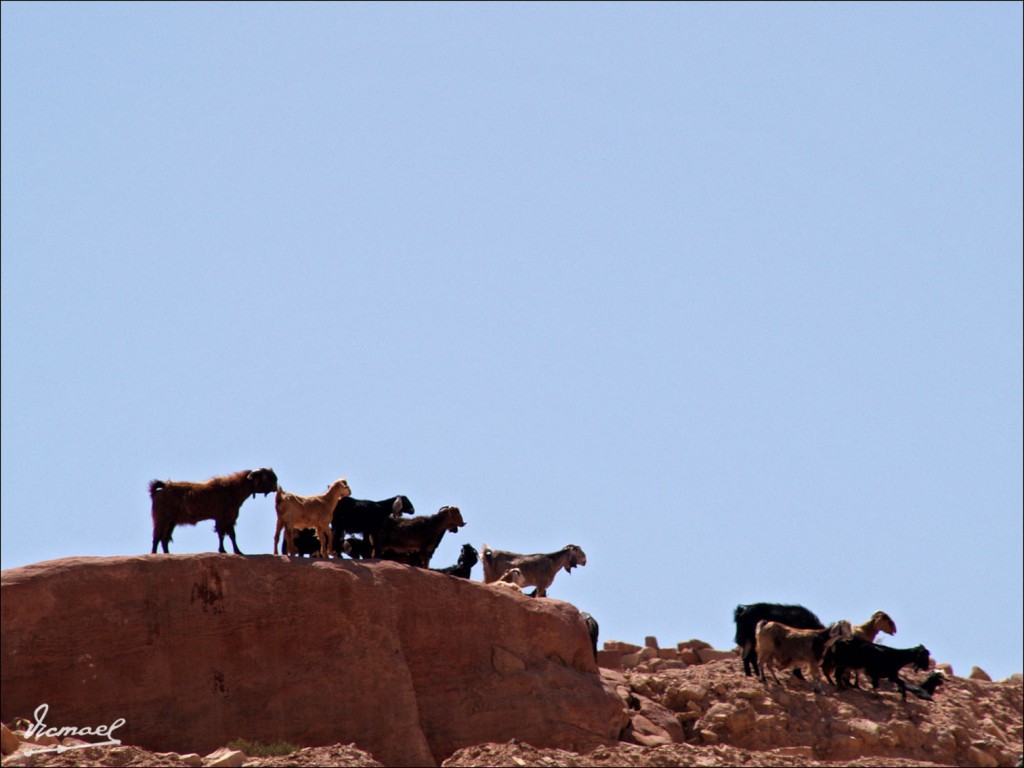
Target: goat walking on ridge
[(878, 661), (537, 570), (747, 617), (179, 502), (295, 512), (880, 621), (779, 645)]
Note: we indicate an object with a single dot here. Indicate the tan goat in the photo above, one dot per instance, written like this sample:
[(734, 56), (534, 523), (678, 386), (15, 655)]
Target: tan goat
[(512, 579), (782, 646), (879, 622), (297, 512)]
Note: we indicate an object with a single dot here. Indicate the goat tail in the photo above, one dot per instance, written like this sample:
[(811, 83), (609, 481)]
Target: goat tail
[(486, 552), (155, 486)]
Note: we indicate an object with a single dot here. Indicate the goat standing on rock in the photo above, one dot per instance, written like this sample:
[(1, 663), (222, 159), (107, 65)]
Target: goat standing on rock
[(414, 541), (295, 512), (779, 645), (880, 621), (877, 661), (468, 557), (747, 618), (537, 570), (365, 518), (219, 499)]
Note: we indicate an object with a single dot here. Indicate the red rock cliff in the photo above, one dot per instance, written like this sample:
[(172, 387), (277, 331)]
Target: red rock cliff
[(195, 650)]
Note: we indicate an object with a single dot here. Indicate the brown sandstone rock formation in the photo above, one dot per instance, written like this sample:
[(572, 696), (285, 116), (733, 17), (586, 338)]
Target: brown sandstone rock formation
[(196, 650)]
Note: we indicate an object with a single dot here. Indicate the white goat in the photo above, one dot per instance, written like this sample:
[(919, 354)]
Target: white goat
[(297, 512), (537, 570)]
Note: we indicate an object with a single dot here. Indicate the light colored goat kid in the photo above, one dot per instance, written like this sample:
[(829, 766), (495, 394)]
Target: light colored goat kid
[(513, 579), (782, 646), (297, 512), (537, 570)]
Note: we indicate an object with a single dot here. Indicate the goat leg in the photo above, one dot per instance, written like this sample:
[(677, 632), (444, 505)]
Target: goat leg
[(902, 686), (840, 673), (750, 662)]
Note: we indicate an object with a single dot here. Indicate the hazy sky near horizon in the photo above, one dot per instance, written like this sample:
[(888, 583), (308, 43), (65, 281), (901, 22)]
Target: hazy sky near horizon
[(730, 295)]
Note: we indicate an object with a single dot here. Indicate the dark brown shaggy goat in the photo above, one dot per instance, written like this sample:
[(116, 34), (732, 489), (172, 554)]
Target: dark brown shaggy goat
[(414, 541), (218, 499)]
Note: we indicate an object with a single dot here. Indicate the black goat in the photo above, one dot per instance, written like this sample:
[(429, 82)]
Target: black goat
[(747, 617), (592, 628), (468, 557), (878, 661), (357, 549), (355, 516), (927, 689)]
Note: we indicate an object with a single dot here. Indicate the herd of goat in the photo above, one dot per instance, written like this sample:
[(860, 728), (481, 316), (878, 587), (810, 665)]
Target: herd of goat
[(335, 523), (773, 636), (769, 635)]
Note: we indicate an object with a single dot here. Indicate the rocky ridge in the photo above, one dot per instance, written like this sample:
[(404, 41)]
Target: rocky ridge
[(689, 704), (192, 651)]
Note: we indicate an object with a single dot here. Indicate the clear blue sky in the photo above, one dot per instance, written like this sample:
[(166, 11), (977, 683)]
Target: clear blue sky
[(729, 295)]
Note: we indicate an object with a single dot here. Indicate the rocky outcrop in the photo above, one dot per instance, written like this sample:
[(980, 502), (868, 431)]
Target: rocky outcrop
[(193, 651), (969, 722), (709, 703), (651, 658)]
